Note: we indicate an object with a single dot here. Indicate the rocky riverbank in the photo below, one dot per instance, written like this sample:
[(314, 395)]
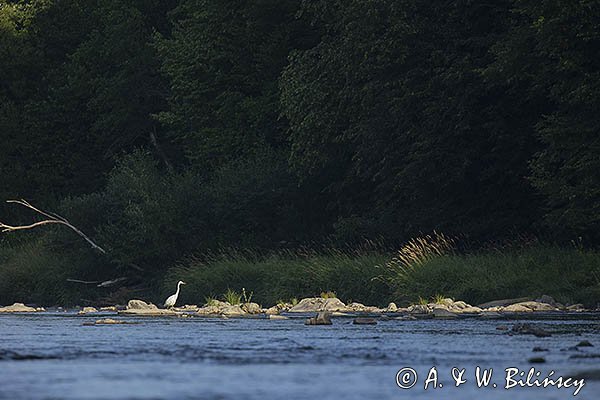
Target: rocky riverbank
[(444, 308)]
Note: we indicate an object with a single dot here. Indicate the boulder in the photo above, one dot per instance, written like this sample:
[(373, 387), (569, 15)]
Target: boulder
[(87, 310), (576, 307), (392, 307), (19, 307), (139, 307), (418, 309), (359, 307), (272, 310), (251, 308), (503, 303), (316, 304), (322, 318), (209, 310), (528, 306), (109, 308), (443, 313), (231, 310)]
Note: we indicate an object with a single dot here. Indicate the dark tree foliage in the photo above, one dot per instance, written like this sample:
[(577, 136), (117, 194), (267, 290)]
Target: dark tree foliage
[(166, 128), (223, 60), (393, 108)]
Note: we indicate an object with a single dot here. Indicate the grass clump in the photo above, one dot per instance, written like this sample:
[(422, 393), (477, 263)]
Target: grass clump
[(569, 275), (328, 295), (232, 297)]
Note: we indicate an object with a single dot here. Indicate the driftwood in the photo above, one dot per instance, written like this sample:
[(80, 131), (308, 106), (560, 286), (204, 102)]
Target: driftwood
[(52, 219)]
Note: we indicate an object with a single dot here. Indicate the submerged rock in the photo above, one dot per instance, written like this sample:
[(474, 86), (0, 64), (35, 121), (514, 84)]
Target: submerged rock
[(278, 317), (584, 343), (316, 304), (322, 318), (19, 307), (528, 329), (537, 360), (364, 321), (108, 321)]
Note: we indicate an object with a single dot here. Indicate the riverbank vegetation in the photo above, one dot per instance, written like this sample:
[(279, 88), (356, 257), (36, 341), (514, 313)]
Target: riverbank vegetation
[(295, 132)]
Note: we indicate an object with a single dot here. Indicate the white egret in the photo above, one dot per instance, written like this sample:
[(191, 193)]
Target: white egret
[(171, 300)]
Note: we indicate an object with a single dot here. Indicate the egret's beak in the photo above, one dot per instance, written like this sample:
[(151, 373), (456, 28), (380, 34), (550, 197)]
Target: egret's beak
[(183, 283)]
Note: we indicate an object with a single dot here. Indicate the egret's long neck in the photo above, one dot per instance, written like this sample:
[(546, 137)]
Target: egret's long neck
[(177, 292)]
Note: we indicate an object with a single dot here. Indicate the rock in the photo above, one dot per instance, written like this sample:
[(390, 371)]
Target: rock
[(418, 309), (528, 329), (231, 310), (517, 308), (442, 313), (272, 310), (503, 303), (251, 308), (87, 310), (406, 318), (538, 349), (547, 300), (278, 317), (447, 302), (585, 343), (529, 306), (209, 310), (392, 307), (110, 321), (576, 307), (537, 360), (502, 328), (364, 321), (109, 308), (322, 318), (316, 304), (19, 307), (139, 307), (491, 314), (188, 307)]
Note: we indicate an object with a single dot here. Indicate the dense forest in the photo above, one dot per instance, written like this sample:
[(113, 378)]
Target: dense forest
[(171, 129)]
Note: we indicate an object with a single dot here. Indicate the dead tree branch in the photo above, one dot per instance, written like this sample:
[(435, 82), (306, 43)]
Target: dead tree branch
[(52, 219)]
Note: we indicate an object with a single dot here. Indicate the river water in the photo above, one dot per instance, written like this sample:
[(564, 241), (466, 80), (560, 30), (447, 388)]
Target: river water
[(53, 355)]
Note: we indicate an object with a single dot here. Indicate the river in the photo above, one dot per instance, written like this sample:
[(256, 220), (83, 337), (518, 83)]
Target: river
[(52, 355)]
